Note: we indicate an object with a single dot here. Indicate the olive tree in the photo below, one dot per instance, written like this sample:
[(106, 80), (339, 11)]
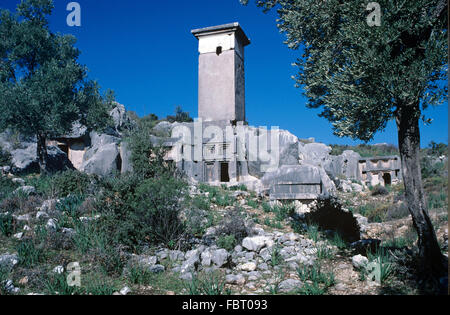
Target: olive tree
[(363, 75), (43, 89)]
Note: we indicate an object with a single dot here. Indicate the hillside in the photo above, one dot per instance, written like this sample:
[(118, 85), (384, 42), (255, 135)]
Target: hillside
[(151, 232)]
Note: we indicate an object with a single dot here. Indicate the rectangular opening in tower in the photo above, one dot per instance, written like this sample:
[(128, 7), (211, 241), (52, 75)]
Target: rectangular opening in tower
[(224, 175), (209, 172)]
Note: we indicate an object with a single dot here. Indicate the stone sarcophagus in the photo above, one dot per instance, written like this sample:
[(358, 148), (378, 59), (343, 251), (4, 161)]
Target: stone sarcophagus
[(383, 170), (294, 182)]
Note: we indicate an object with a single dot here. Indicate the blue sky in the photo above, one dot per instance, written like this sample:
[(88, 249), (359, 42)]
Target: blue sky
[(144, 51)]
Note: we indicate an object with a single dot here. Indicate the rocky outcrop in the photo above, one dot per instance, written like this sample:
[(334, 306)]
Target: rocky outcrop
[(317, 154), (121, 120), (103, 157), (78, 131), (163, 128), (287, 150), (24, 157), (125, 155), (344, 165)]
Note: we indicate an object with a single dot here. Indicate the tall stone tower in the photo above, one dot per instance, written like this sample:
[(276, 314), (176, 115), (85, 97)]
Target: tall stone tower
[(221, 76)]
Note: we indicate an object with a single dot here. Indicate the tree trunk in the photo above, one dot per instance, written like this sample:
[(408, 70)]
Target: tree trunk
[(42, 153), (409, 145)]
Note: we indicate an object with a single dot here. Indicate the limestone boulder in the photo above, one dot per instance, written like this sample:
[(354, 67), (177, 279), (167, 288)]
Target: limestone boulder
[(164, 128), (78, 131), (281, 149), (289, 285), (120, 118), (219, 257), (345, 165), (125, 155), (257, 242), (24, 159), (103, 157), (8, 261), (359, 261), (23, 151), (317, 154)]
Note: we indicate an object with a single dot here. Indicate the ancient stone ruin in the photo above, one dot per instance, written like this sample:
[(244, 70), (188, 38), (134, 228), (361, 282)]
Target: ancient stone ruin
[(382, 171), (219, 147)]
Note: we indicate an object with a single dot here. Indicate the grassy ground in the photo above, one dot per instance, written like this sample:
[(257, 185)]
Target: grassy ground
[(102, 263)]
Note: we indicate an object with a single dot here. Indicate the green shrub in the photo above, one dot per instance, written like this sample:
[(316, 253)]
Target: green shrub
[(224, 200), (29, 254), (338, 241), (380, 267), (227, 242), (437, 200), (117, 207), (273, 223), (201, 202), (316, 282), (147, 159), (71, 183), (207, 188), (95, 239), (98, 288), (70, 206), (275, 256), (233, 224), (159, 207), (241, 187), (431, 168), (366, 150), (180, 116), (379, 191), (86, 236), (198, 221), (375, 212), (217, 195), (5, 157), (139, 275), (252, 203), (397, 212), (44, 185), (6, 187), (136, 212), (436, 149), (313, 232), (4, 275), (109, 256), (399, 242), (57, 284), (8, 224), (63, 184), (210, 283), (266, 207), (323, 252), (282, 212)]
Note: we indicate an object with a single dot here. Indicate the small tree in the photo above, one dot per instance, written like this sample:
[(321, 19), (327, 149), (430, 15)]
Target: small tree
[(43, 89), (180, 116), (364, 76)]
